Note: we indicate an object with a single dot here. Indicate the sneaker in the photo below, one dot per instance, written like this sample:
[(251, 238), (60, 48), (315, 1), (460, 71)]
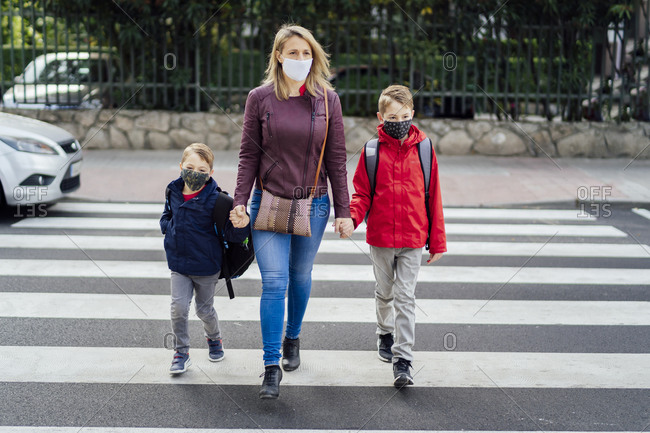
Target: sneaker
[(215, 352), (384, 345), (180, 363), (402, 373)]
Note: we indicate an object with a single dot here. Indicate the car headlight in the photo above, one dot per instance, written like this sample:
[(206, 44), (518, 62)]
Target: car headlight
[(29, 145)]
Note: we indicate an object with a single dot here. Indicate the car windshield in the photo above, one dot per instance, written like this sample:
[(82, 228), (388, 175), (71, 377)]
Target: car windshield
[(70, 71)]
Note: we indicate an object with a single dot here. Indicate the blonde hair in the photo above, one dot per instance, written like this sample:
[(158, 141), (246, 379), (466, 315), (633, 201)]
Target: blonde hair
[(397, 93), (204, 152), (319, 68)]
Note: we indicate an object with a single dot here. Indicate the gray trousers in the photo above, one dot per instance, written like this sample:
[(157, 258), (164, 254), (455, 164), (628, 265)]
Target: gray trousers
[(396, 273), (183, 287)]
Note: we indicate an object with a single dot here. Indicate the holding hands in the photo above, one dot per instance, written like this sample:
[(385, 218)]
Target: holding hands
[(344, 226), (238, 217)]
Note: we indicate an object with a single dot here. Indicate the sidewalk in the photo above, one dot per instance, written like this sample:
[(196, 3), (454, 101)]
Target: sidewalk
[(467, 181)]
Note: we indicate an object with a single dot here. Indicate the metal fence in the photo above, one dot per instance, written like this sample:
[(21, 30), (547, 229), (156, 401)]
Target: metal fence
[(53, 60)]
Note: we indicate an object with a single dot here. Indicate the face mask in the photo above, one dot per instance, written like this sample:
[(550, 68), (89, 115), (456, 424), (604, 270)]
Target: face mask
[(297, 70), (397, 130), (194, 180)]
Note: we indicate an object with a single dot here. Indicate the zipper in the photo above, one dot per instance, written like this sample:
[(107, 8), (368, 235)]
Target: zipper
[(266, 175), (268, 123), (311, 137)]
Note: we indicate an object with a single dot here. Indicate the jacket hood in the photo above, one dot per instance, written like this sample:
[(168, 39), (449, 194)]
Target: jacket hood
[(414, 137)]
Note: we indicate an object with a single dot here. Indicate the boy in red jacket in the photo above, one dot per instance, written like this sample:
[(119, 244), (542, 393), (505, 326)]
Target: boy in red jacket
[(398, 226)]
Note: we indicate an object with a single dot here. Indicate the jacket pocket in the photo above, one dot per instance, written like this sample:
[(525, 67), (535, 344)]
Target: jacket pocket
[(268, 171), (269, 132)]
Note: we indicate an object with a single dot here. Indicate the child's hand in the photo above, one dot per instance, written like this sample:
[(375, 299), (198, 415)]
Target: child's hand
[(238, 217), (344, 226), (434, 257)]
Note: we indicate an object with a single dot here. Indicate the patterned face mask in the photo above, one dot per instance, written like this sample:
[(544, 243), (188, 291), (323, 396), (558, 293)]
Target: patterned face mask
[(194, 180), (397, 130)]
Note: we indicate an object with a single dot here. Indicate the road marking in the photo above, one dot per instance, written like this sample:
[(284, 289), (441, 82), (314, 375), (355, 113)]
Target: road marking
[(643, 212), (84, 223), (75, 242), (109, 208), (346, 310), (329, 368), (545, 230), (451, 229), (450, 213), (509, 249), (360, 273), (338, 246), (518, 214)]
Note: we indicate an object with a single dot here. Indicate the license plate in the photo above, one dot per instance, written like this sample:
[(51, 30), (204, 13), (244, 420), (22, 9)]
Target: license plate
[(75, 169)]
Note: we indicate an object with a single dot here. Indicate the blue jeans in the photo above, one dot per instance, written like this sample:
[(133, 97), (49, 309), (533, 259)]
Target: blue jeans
[(286, 262)]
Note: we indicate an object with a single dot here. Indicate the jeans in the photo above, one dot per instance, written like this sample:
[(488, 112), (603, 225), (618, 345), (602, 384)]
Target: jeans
[(285, 262), (183, 287)]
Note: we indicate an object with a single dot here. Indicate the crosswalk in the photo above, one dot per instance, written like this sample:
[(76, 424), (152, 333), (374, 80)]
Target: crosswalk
[(528, 306)]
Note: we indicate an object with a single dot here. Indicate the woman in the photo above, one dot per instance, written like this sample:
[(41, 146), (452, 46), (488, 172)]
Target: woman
[(283, 133)]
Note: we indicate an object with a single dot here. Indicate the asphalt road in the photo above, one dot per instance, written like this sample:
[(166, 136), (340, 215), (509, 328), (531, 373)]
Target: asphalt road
[(559, 338)]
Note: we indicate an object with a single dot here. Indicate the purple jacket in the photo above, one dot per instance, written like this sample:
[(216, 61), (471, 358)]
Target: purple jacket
[(281, 144)]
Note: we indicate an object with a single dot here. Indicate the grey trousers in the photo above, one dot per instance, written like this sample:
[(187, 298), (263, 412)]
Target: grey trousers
[(183, 287), (396, 273)]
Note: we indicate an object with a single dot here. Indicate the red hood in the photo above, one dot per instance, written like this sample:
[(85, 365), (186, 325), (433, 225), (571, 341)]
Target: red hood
[(414, 137)]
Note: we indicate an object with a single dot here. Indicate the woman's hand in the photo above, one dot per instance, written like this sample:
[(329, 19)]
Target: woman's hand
[(238, 217), (344, 226), (434, 257)]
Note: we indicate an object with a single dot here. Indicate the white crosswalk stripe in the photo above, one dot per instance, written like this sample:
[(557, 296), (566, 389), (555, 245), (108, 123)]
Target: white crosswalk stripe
[(323, 368), (324, 272), (458, 248), (489, 250), (350, 310), (545, 230)]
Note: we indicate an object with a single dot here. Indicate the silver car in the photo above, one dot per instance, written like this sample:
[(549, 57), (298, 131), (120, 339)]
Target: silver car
[(39, 162), (64, 80)]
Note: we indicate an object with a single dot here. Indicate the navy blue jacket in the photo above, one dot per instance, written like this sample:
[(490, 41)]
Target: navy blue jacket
[(191, 244)]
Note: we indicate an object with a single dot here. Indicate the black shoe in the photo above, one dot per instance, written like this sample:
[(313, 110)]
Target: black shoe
[(290, 354), (402, 373), (384, 344), (271, 383)]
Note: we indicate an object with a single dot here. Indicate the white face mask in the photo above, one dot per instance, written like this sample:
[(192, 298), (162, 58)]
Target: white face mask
[(297, 70)]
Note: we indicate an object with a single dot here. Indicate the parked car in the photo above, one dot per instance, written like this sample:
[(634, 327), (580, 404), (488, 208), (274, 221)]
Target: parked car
[(64, 80), (378, 77), (39, 162)]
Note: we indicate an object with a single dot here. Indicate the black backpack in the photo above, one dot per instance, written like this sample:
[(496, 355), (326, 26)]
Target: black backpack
[(425, 152), (237, 257)]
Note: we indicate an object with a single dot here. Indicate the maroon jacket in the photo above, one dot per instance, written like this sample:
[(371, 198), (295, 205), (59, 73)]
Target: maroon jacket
[(281, 144)]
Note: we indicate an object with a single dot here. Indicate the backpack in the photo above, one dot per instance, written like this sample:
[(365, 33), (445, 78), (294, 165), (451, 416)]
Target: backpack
[(425, 153), (236, 257)]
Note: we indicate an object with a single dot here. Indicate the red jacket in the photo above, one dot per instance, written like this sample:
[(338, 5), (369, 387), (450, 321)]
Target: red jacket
[(398, 217)]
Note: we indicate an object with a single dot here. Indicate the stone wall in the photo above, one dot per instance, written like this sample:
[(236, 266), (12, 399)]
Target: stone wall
[(139, 129)]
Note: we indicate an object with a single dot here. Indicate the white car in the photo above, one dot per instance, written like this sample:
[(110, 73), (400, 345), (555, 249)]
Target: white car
[(39, 162), (64, 80)]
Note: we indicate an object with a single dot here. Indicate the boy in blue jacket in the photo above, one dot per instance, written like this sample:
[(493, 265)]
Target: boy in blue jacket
[(193, 251)]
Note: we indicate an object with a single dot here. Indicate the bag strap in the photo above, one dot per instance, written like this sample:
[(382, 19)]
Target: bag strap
[(371, 154), (220, 216), (425, 152), (322, 152)]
